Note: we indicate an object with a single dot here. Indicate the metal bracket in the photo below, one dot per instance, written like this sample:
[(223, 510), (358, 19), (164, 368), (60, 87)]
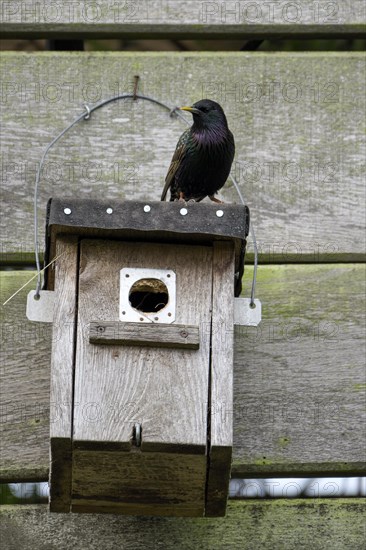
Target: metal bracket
[(41, 309), (128, 277), (245, 314)]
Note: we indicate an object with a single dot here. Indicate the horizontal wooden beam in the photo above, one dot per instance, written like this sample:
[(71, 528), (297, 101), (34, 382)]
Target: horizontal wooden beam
[(152, 334), (26, 260), (297, 118), (266, 524), (299, 380), (181, 19)]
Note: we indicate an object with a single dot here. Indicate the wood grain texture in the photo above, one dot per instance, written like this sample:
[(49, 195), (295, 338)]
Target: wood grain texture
[(297, 118), (154, 335), (202, 223), (299, 382), (130, 215), (62, 372), (163, 389), (63, 338), (221, 379), (114, 387), (181, 19), (25, 359), (319, 524), (135, 482)]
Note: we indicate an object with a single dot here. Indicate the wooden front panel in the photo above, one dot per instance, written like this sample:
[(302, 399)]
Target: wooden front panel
[(143, 483), (165, 390)]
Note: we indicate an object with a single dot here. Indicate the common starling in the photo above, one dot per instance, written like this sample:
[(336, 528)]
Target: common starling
[(203, 157)]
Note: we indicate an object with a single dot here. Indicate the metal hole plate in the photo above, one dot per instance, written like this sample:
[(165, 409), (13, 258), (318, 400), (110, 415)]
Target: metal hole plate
[(129, 276)]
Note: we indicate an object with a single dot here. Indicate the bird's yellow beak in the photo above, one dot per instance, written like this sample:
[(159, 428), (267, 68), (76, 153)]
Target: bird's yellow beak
[(190, 110)]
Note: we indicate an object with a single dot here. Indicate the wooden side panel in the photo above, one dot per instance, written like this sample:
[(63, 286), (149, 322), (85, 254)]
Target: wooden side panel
[(222, 366), (62, 372), (285, 524), (297, 119)]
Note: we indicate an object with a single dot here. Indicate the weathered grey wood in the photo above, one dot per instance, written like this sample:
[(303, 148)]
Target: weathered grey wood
[(25, 356), (152, 335), (299, 382), (138, 483), (62, 372), (181, 19), (298, 121), (137, 376), (285, 524), (162, 217), (162, 222), (221, 379), (164, 390)]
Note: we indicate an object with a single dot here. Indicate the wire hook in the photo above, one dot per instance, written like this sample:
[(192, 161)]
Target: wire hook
[(88, 111)]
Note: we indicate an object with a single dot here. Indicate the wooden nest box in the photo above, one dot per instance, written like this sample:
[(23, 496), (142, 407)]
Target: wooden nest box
[(142, 356)]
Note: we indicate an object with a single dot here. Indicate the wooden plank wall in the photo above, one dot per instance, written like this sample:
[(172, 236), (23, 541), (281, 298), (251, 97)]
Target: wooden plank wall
[(298, 121), (318, 524), (299, 388), (182, 19)]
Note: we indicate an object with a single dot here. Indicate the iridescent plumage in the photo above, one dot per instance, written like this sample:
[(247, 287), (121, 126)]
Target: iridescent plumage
[(203, 157)]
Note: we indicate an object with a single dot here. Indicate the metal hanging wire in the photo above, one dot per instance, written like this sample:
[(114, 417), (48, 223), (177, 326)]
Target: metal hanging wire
[(86, 116)]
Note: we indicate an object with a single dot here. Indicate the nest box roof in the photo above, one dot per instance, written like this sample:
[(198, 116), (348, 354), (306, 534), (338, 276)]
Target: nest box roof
[(147, 221)]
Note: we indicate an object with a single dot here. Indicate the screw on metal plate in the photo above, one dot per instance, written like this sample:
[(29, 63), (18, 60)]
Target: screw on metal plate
[(219, 213), (109, 210), (40, 308), (147, 208), (67, 211), (183, 211), (247, 314), (140, 287)]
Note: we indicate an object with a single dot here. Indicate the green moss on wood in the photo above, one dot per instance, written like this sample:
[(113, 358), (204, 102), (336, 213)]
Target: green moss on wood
[(281, 524), (283, 442)]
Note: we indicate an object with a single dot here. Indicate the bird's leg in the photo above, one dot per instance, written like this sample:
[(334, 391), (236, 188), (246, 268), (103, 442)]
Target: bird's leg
[(214, 199), (181, 198)]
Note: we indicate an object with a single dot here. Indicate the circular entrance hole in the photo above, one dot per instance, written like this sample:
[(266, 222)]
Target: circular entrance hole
[(148, 295)]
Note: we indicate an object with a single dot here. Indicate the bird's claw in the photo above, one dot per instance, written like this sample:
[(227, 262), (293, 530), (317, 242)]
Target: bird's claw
[(214, 199), (181, 200)]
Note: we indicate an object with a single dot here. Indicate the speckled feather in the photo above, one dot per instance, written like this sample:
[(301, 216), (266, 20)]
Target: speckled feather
[(203, 157)]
